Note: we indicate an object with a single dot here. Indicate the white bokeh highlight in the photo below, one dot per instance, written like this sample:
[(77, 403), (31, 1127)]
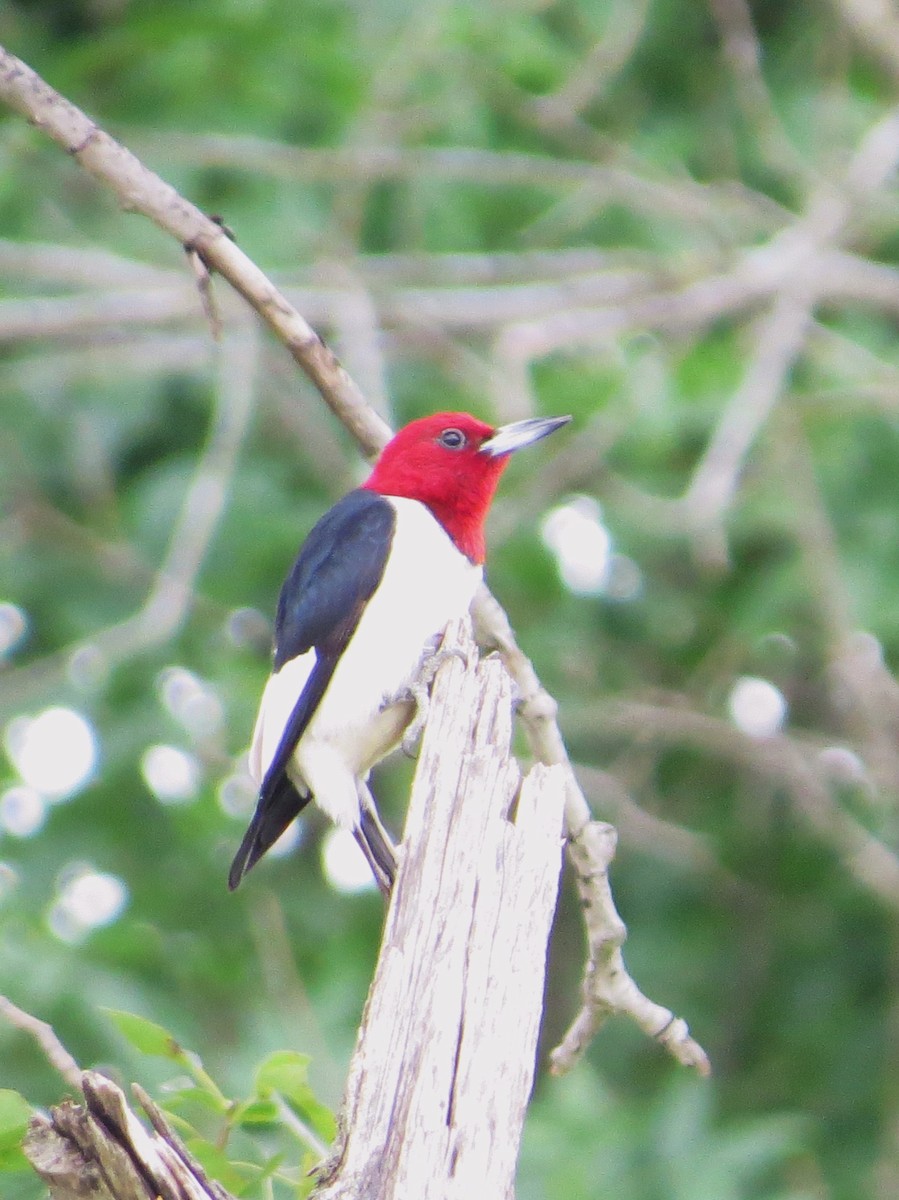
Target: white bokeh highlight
[(237, 792), (757, 707), (23, 811), (173, 775), (193, 702), (287, 842), (87, 900), (88, 668), (843, 765), (9, 880), (344, 864), (13, 627), (582, 546), (55, 753)]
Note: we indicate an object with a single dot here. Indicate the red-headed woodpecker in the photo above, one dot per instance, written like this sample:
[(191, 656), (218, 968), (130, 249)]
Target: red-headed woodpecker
[(373, 588)]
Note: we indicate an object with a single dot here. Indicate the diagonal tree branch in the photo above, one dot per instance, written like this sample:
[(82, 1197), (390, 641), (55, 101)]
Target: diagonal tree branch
[(140, 190), (55, 1052)]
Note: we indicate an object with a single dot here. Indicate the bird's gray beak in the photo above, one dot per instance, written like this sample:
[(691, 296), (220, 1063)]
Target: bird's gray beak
[(509, 438)]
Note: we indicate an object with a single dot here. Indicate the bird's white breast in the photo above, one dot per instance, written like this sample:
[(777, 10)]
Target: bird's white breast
[(427, 582)]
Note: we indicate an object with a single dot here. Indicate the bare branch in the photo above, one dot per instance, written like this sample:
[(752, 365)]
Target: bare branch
[(55, 1052), (621, 179), (743, 55), (875, 24), (139, 190), (608, 988), (797, 767)]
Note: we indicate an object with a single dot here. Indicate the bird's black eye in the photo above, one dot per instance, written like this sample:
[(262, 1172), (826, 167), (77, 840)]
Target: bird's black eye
[(452, 439)]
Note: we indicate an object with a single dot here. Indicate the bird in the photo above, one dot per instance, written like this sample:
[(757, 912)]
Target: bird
[(361, 612)]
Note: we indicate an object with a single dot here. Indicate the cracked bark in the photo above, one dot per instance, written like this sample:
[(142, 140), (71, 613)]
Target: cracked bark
[(444, 1061), (99, 1150)]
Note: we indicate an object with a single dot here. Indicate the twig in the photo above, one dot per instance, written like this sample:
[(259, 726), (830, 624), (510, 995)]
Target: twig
[(796, 767), (743, 55), (298, 1128), (781, 335), (626, 181), (875, 24), (651, 834), (779, 340), (140, 190), (607, 987), (54, 1051), (603, 63)]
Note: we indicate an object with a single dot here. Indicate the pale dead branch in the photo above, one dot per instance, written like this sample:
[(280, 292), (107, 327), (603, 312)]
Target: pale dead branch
[(444, 1062), (54, 1051)]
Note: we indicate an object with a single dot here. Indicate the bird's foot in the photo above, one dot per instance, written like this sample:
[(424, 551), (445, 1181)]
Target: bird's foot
[(419, 692)]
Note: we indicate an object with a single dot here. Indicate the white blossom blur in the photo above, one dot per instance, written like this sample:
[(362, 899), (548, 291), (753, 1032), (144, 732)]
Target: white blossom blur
[(581, 544), (173, 775), (237, 792), (87, 899), (192, 701), (757, 707), (13, 628), (248, 628), (88, 668), (9, 880), (843, 765), (23, 811), (344, 864), (55, 752), (287, 842)]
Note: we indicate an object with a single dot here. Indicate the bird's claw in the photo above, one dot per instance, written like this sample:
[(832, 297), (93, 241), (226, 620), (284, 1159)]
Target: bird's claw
[(418, 691)]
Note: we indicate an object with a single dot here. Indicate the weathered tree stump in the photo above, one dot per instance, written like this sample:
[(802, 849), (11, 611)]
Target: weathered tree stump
[(444, 1062)]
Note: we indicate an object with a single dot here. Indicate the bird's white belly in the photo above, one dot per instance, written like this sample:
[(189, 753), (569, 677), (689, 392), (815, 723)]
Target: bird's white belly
[(426, 583)]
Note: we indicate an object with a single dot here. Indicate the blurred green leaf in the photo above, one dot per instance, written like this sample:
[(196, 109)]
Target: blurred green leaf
[(148, 1037), (256, 1112), (236, 1177), (15, 1114), (285, 1073)]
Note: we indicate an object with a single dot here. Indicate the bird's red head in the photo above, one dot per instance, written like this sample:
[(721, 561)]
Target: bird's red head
[(451, 462)]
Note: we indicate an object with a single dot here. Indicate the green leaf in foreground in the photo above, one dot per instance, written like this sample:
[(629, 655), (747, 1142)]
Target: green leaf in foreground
[(286, 1073), (148, 1037), (15, 1113), (236, 1177)]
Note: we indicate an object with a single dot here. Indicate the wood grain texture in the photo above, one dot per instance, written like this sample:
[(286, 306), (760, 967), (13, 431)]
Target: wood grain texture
[(99, 1150), (444, 1062)]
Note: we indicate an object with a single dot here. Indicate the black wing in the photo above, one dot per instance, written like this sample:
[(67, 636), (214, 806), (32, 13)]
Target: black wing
[(336, 572)]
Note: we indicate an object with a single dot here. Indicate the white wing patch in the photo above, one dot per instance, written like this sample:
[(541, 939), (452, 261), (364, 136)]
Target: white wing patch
[(278, 701)]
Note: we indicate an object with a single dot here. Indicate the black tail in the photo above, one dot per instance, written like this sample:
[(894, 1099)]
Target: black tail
[(276, 808)]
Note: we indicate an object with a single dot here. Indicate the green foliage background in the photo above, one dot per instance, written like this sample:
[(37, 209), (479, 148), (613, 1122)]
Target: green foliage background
[(615, 155)]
